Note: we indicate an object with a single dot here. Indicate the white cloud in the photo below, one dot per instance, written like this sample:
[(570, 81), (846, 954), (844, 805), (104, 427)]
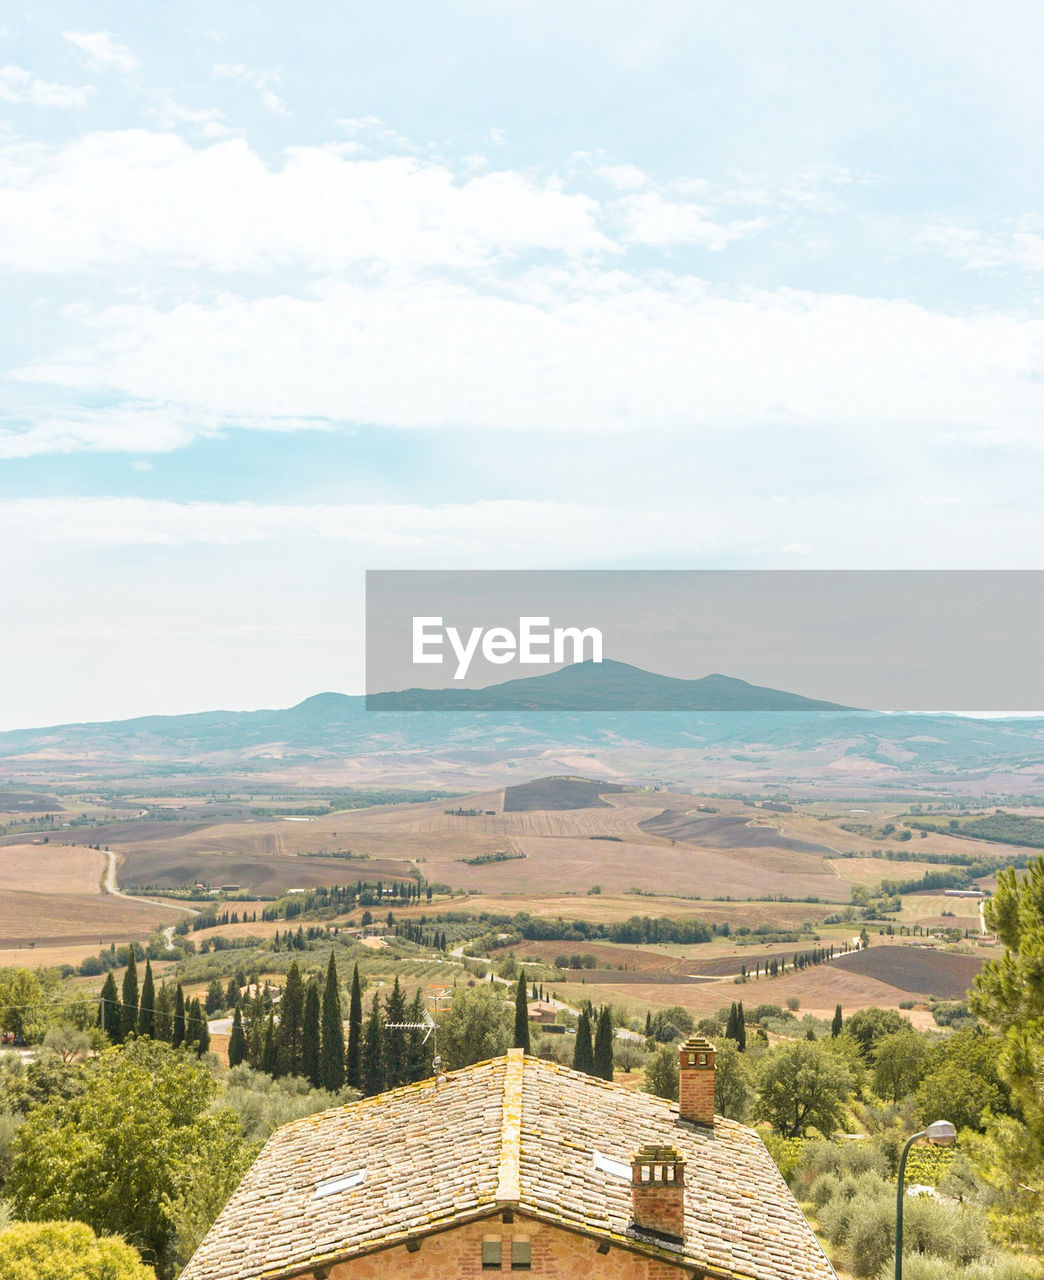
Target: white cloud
[(19, 85), (625, 177), (651, 219), (262, 81), (115, 198), (570, 351), (103, 48), (1018, 244)]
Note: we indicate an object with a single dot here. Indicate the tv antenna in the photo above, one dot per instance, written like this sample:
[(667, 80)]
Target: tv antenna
[(430, 1027)]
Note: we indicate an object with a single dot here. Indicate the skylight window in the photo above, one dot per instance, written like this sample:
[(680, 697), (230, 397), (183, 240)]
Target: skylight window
[(333, 1185), (614, 1168)]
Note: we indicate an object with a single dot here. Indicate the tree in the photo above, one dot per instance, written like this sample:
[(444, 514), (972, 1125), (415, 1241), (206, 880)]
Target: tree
[(476, 1026), (741, 1028), (60, 1250), (838, 1022), (372, 1077), (867, 1026), (120, 1154), (899, 1063), (163, 1024), (108, 1009), (215, 997), (147, 1012), (661, 1074), (802, 1083), (331, 1058), (731, 1085), (129, 1008), (603, 1045), (310, 1034), (237, 1044), (177, 1035), (395, 1037), (67, 1042), (961, 1081), (353, 1065), (1009, 995), (417, 1061), (268, 1047), (521, 1014), (291, 1021), (583, 1050)]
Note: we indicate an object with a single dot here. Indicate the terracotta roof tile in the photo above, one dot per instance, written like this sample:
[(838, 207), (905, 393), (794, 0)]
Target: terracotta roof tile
[(511, 1129)]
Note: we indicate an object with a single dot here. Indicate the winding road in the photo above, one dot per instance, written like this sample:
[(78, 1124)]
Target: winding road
[(109, 885)]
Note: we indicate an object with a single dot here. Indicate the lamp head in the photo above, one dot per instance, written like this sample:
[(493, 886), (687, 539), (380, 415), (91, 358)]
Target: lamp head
[(941, 1133)]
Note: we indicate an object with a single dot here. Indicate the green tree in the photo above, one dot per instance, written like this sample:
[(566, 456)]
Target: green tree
[(129, 1007), (899, 1064), (353, 1064), (310, 1034), (67, 1251), (802, 1084), (741, 1028), (177, 1035), (731, 1082), (372, 1080), (476, 1026), (163, 1025), (237, 1044), (215, 997), (21, 996), (268, 1047), (121, 1153), (108, 1009), (867, 1026), (603, 1045), (418, 1065), (961, 1082), (331, 1060), (521, 1014), (147, 1012), (291, 1023), (838, 1022), (583, 1049), (661, 1074), (395, 1037)]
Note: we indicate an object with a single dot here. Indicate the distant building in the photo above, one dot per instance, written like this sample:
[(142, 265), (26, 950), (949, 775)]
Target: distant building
[(542, 1011), (516, 1164)]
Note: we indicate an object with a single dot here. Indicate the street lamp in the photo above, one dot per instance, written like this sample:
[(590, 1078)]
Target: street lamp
[(940, 1133)]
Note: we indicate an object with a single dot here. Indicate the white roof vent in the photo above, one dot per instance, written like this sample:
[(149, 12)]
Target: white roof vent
[(614, 1168), (333, 1185)]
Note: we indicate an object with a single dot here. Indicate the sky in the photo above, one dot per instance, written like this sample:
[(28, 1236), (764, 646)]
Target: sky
[(286, 297)]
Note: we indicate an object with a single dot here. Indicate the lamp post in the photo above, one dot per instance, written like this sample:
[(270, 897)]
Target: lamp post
[(940, 1133)]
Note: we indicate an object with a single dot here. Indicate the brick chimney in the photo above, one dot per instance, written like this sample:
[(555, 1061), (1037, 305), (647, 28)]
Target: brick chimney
[(658, 1191), (696, 1081)]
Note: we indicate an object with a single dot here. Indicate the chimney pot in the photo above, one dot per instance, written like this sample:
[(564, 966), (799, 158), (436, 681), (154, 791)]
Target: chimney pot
[(696, 1081)]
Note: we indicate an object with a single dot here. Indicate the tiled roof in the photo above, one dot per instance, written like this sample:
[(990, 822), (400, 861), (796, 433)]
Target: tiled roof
[(515, 1130)]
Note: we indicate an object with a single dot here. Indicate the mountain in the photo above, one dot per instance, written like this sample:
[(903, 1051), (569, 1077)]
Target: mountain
[(602, 686), (717, 728)]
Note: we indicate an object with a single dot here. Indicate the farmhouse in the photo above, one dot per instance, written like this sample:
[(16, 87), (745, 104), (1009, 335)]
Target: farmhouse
[(516, 1164)]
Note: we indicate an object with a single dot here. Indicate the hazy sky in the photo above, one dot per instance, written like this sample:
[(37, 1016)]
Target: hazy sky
[(493, 285)]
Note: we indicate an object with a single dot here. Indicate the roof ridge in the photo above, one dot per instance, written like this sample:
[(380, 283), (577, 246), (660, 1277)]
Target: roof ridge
[(509, 1172)]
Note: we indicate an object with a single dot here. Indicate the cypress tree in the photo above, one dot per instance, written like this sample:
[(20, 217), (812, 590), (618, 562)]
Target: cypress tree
[(202, 1030), (741, 1028), (291, 1019), (331, 1056), (372, 1066), (177, 1035), (603, 1046), (355, 1038), (838, 1023), (147, 1013), (268, 1047), (310, 1035), (237, 1045), (109, 1009), (521, 1014), (648, 1023), (163, 1025), (730, 1026), (417, 1067), (232, 994), (583, 1050), (395, 1037), (129, 1011)]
